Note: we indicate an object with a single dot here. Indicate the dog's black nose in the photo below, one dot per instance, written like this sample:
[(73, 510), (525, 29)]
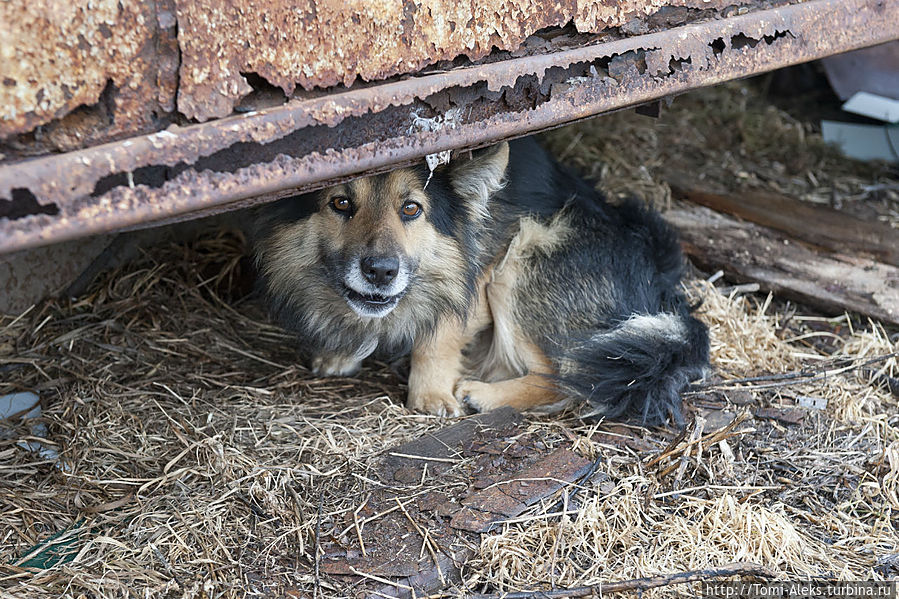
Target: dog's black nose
[(380, 270)]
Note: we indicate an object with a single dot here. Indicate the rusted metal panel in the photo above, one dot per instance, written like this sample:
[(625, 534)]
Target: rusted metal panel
[(307, 143), (75, 75), (405, 539), (88, 70), (513, 493), (320, 43), (111, 67)]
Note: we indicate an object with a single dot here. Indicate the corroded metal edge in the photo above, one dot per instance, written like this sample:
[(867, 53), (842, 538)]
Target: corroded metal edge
[(307, 144), (75, 73)]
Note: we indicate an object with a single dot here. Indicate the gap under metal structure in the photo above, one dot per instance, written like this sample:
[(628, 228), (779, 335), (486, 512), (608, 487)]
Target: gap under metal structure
[(200, 169)]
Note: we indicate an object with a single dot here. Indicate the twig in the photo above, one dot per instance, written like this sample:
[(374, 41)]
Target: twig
[(738, 289), (578, 485), (425, 539), (252, 357), (317, 592), (299, 514), (786, 379), (754, 489), (257, 511), (707, 441), (695, 441), (710, 439), (372, 518), (392, 583), (165, 564), (359, 528), (670, 449), (587, 477), (715, 276), (540, 516), (639, 584), (558, 539), (423, 457)]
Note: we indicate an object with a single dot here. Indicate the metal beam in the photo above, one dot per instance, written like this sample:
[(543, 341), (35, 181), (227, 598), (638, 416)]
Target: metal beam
[(305, 144)]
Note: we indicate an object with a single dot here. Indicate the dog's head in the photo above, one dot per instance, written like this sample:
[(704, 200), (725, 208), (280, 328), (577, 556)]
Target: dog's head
[(369, 246)]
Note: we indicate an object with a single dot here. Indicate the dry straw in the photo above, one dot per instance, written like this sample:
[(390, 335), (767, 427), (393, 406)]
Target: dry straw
[(197, 458)]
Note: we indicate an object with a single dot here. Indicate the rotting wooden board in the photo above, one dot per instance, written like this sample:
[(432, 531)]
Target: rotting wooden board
[(785, 415), (821, 226), (413, 544), (510, 496), (749, 252), (406, 463)]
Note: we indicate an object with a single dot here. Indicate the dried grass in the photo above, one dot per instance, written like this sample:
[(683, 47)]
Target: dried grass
[(743, 333), (190, 412), (731, 137), (198, 459), (616, 536)]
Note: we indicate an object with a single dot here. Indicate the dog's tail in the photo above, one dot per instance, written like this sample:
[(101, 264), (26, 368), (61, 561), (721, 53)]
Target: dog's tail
[(638, 367)]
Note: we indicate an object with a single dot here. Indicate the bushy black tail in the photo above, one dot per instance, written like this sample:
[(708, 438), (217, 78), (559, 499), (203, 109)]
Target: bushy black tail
[(638, 367)]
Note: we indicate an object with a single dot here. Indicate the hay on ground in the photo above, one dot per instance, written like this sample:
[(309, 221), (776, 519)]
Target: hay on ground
[(197, 458)]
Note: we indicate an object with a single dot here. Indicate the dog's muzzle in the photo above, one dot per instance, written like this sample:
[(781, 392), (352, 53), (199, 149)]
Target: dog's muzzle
[(374, 285)]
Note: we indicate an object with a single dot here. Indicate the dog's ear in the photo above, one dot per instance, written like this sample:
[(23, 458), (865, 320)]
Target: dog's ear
[(479, 177)]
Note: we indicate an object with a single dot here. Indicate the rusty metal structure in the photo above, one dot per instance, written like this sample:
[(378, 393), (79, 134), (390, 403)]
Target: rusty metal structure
[(120, 115)]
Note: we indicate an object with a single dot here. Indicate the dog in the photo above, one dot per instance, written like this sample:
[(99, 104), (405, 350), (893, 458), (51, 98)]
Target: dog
[(512, 281)]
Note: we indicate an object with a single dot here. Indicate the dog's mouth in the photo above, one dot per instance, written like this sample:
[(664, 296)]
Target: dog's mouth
[(373, 305)]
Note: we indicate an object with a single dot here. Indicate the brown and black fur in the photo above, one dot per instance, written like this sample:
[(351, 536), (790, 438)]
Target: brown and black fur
[(521, 286)]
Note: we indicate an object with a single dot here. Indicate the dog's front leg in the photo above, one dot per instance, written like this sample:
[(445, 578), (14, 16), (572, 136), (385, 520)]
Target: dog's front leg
[(342, 363), (437, 360), (436, 366), (332, 364)]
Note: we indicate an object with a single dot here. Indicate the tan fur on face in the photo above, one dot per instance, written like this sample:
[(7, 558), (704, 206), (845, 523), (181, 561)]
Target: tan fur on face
[(375, 226), (291, 253)]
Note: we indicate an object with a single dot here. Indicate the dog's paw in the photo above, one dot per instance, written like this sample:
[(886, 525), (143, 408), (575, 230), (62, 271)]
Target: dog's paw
[(480, 396), (335, 365), (439, 404)]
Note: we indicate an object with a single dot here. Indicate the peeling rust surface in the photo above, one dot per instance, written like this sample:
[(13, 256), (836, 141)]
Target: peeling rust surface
[(87, 70), (308, 143), (513, 493), (96, 71), (321, 43)]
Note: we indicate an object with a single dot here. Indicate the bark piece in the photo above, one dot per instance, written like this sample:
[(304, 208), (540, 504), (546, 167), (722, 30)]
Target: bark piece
[(749, 252)]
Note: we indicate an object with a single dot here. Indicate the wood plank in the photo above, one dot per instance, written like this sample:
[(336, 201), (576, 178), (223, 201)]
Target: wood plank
[(513, 494), (423, 485), (818, 225), (748, 252), (438, 450)]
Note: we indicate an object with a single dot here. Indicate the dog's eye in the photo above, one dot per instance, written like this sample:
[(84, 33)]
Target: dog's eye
[(341, 204), (411, 209)]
